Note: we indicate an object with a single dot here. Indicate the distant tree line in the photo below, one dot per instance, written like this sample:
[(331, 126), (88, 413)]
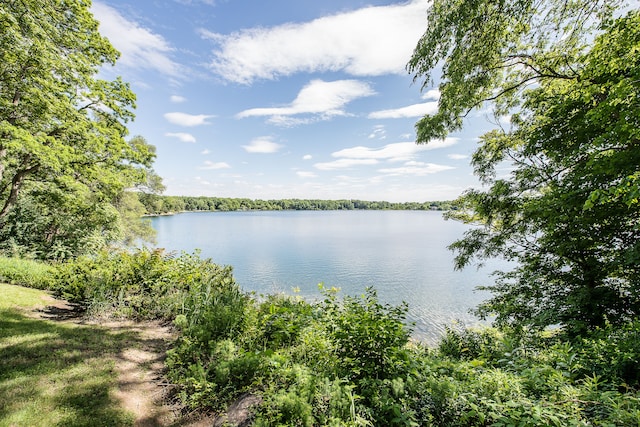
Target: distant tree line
[(160, 205)]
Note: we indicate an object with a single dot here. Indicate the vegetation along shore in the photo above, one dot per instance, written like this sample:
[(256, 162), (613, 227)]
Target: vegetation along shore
[(559, 199)]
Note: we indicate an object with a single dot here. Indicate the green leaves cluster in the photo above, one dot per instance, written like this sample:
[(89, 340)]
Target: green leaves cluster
[(333, 362), (574, 142), (491, 51), (567, 213), (140, 284), (63, 150)]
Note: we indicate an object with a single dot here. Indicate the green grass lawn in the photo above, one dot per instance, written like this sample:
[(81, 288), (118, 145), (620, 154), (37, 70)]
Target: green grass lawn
[(54, 373)]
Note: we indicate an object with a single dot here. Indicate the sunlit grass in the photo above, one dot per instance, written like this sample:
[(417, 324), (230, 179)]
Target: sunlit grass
[(53, 373), (17, 296)]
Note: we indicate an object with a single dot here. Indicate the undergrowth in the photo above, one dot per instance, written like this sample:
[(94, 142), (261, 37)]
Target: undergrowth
[(25, 272), (348, 360)]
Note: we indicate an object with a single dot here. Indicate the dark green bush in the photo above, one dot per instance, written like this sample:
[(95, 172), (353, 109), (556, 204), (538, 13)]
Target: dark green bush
[(281, 319), (369, 337), (611, 353)]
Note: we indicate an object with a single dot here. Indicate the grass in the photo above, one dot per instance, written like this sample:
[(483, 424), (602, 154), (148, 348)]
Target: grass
[(54, 373), (19, 297)]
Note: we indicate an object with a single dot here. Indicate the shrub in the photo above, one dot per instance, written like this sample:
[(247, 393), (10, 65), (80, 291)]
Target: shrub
[(611, 353), (369, 337), (143, 284), (280, 321), (26, 272)]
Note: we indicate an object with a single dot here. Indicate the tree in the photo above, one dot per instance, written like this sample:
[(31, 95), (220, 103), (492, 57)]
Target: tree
[(62, 130), (492, 50), (568, 212)]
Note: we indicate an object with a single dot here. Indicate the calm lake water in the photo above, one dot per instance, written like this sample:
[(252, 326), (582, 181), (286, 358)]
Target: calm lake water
[(403, 254)]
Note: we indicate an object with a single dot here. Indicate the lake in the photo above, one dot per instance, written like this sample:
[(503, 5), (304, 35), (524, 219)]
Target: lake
[(402, 254)]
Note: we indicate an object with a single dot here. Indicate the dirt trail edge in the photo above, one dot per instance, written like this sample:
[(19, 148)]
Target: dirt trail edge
[(142, 388)]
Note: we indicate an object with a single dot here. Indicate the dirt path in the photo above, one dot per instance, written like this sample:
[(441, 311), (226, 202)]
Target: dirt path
[(142, 388)]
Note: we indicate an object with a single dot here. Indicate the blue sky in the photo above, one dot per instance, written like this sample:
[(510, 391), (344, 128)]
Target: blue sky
[(285, 98)]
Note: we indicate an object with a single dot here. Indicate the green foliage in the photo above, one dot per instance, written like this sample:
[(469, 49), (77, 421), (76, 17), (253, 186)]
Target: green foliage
[(322, 362), (281, 320), (156, 204), (379, 331), (64, 159), (141, 284), (491, 51), (348, 361), (26, 272), (574, 141)]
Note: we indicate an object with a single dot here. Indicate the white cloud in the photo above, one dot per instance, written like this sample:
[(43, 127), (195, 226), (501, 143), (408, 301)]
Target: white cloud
[(184, 137), (397, 152), (415, 110), (440, 143), (189, 120), (325, 99), (205, 152), (400, 151), (209, 165), (416, 169), (432, 94), (307, 157), (458, 156), (344, 163), (139, 47), (177, 99), (378, 132), (366, 42), (262, 145), (304, 174)]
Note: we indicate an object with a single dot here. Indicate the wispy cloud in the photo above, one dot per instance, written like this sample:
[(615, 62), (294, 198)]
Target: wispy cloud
[(416, 169), (432, 94), (458, 156), (307, 157), (140, 47), (415, 110), (262, 145), (318, 98), (305, 174), (378, 132), (344, 163), (184, 137), (188, 120), (177, 99), (209, 165), (366, 42), (397, 152)]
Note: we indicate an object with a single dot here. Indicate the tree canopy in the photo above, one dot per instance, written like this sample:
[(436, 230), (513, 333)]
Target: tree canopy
[(492, 50), (567, 212), (63, 152)]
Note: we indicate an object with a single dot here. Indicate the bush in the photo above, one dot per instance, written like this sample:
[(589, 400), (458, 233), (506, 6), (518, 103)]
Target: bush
[(348, 361), (26, 272), (611, 353), (144, 284), (369, 337)]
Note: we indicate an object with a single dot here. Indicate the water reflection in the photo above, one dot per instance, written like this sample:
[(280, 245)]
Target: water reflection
[(403, 254)]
